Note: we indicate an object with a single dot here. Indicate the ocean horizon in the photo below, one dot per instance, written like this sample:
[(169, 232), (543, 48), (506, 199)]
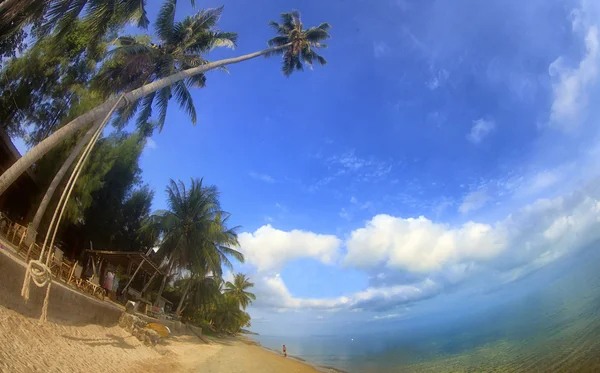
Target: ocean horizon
[(552, 328)]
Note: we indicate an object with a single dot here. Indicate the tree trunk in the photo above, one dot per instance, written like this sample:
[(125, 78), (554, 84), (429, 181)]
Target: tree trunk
[(6, 4), (10, 175), (56, 182), (164, 279), (185, 292)]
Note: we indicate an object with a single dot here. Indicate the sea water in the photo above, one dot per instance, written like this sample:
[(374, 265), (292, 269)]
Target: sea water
[(553, 328)]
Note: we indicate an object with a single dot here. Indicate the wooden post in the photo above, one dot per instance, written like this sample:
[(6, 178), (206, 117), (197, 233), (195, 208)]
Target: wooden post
[(149, 282), (136, 271)]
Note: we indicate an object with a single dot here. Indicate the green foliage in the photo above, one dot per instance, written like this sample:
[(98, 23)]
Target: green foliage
[(39, 88), (302, 43), (227, 315), (193, 232), (237, 290), (118, 208), (136, 60)]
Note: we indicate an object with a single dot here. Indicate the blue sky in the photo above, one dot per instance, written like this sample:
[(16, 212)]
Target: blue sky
[(446, 150)]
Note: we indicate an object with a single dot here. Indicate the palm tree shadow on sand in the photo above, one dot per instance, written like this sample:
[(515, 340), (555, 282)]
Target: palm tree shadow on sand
[(110, 340)]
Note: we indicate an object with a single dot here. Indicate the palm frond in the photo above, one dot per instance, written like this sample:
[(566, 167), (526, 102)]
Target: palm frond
[(315, 35), (165, 20), (162, 102), (136, 9), (146, 109), (184, 99), (125, 114), (62, 15), (98, 16), (278, 41)]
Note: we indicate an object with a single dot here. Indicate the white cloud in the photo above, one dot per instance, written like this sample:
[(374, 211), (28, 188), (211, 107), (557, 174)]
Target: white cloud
[(150, 144), (480, 130), (412, 259), (539, 182), (381, 49), (272, 292), (269, 248), (527, 239), (345, 215), (353, 200), (474, 201), (389, 316), (438, 79), (262, 177), (571, 84), (420, 245)]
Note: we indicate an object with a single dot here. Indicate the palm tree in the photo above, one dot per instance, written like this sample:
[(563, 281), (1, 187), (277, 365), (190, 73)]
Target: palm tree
[(228, 315), (192, 231), (199, 290), (298, 45), (136, 61), (98, 15), (302, 42), (237, 290)]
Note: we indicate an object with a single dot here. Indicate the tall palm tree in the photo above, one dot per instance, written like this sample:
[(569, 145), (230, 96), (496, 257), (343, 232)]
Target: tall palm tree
[(298, 45), (136, 61), (302, 42), (192, 231), (237, 290)]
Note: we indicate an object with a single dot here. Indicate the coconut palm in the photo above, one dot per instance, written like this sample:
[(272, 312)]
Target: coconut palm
[(199, 290), (192, 231), (227, 315), (59, 15), (138, 60), (297, 47), (237, 290), (46, 16), (302, 43)]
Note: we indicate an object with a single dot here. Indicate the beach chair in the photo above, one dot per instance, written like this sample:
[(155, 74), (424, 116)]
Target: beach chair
[(75, 275), (56, 263), (20, 231), (33, 252), (5, 224)]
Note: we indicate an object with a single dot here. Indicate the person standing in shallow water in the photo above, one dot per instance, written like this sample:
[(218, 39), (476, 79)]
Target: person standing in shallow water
[(284, 351)]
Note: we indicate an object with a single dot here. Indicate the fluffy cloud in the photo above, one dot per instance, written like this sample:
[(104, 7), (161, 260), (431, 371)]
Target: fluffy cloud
[(528, 239), (420, 245), (474, 201), (413, 259), (274, 294), (480, 130), (570, 84), (269, 248)]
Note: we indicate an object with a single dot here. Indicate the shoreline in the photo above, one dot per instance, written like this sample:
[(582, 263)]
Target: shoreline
[(320, 368)]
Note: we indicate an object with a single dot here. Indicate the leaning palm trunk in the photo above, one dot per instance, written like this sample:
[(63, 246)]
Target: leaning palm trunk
[(6, 4), (10, 175), (185, 292), (164, 279), (32, 231)]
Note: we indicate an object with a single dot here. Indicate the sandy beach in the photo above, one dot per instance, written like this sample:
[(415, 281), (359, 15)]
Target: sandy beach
[(26, 346)]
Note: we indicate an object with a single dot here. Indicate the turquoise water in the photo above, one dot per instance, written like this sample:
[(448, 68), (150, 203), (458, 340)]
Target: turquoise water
[(553, 328)]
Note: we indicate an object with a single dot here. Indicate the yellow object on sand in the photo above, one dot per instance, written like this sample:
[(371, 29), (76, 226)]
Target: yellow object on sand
[(162, 330)]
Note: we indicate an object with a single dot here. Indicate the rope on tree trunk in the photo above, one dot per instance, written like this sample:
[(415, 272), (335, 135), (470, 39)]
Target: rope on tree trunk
[(41, 276)]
